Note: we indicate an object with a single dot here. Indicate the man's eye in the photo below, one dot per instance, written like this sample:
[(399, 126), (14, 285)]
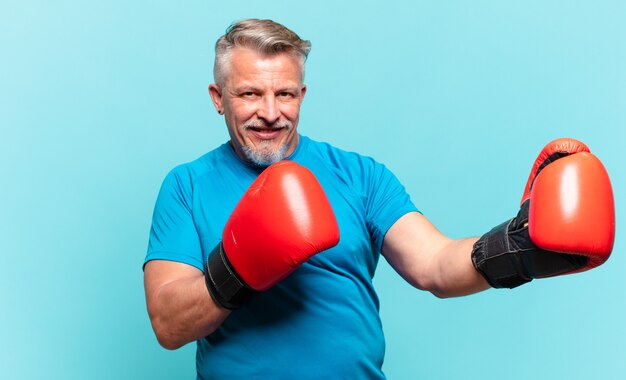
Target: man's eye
[(285, 94), (248, 94)]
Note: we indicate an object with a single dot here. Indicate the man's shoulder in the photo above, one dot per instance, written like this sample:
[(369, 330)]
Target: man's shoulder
[(358, 171), (340, 159), (202, 166), (322, 148)]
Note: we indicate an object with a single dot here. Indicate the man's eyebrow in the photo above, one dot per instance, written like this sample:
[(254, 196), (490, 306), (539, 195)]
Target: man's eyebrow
[(288, 88), (245, 88), (252, 88)]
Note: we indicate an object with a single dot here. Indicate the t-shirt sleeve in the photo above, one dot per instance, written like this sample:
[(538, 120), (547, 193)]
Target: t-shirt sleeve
[(386, 201), (173, 235)]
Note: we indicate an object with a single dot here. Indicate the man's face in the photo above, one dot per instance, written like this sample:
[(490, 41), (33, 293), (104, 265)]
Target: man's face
[(261, 100)]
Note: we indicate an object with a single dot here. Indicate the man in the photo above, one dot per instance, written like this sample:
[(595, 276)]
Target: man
[(322, 318)]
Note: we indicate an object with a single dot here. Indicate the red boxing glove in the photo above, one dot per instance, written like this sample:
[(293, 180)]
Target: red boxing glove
[(554, 150), (566, 222), (572, 210), (282, 220)]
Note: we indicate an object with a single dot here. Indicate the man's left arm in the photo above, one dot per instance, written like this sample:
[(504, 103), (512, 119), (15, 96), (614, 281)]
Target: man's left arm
[(565, 224), (429, 260)]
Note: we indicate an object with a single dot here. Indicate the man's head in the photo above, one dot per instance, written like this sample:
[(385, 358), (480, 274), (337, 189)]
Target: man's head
[(259, 71), (263, 36)]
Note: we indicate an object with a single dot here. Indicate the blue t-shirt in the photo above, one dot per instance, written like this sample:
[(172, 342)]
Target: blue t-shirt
[(322, 321)]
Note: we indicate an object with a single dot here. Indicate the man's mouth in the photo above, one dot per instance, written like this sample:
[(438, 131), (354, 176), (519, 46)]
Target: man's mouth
[(263, 133)]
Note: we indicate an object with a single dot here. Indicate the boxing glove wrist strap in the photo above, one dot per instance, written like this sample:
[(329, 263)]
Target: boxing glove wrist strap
[(498, 259), (224, 285)]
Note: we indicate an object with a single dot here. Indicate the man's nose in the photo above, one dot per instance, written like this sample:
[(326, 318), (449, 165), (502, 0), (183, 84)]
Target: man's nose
[(269, 109)]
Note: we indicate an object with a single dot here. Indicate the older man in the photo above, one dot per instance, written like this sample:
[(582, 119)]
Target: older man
[(322, 319)]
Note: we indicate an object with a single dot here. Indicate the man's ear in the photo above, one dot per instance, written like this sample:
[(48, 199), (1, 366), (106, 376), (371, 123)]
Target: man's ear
[(216, 96), (302, 92)]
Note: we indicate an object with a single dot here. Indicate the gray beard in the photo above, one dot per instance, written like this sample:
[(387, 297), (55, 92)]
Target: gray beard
[(263, 154)]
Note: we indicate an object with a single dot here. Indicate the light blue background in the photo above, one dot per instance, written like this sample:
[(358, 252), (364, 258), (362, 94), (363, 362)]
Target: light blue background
[(98, 100)]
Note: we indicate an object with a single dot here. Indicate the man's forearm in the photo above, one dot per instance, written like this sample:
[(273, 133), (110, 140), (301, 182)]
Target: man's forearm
[(181, 310), (429, 260), (457, 275)]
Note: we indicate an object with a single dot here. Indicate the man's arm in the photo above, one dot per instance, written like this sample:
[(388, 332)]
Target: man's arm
[(429, 260), (180, 307), (565, 224), (186, 304)]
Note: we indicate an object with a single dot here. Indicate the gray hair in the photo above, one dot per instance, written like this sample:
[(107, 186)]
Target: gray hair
[(264, 36)]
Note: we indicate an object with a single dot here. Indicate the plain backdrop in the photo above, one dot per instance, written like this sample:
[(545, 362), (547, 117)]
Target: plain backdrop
[(100, 99)]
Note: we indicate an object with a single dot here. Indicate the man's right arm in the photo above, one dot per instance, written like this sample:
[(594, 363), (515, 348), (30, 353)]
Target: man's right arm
[(180, 307)]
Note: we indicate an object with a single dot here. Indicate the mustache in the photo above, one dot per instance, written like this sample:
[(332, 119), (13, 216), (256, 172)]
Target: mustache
[(258, 123)]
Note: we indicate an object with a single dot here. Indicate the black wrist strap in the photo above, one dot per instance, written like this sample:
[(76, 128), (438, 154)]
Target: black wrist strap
[(497, 258), (224, 285)]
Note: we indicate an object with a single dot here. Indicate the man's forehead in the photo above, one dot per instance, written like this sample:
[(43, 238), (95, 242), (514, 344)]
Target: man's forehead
[(239, 54), (247, 63)]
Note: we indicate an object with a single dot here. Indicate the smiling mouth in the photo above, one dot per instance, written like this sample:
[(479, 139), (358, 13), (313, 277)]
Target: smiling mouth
[(265, 133)]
